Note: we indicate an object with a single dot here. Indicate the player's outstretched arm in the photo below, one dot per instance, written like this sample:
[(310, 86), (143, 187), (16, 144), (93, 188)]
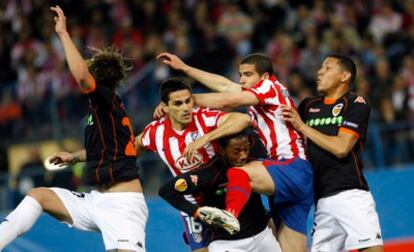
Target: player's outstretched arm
[(225, 101), (214, 82), (339, 145), (77, 64), (175, 190), (230, 123), (66, 158), (138, 144)]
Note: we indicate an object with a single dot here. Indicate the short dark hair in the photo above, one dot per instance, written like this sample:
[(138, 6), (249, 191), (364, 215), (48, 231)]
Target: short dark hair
[(262, 63), (224, 141), (108, 67), (171, 85), (346, 64)]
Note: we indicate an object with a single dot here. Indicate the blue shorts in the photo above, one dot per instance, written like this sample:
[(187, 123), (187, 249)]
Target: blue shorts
[(294, 195), (194, 232)]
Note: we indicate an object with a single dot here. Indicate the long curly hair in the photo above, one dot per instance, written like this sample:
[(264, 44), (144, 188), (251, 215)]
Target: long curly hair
[(108, 66)]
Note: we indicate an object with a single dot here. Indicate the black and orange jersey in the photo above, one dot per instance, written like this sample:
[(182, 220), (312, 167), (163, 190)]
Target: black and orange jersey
[(210, 181), (109, 139), (349, 113)]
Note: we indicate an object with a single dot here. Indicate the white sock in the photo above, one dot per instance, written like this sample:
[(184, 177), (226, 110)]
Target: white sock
[(19, 221)]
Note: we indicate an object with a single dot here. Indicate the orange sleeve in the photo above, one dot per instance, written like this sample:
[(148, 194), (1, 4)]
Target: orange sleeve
[(349, 131), (90, 88)]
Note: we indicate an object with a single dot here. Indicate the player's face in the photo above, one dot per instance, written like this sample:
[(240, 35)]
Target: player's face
[(248, 75), (329, 76), (180, 108), (237, 151)]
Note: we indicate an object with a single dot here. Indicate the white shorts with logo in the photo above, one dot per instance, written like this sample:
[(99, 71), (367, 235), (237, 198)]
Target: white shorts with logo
[(120, 216), (262, 242), (346, 221)]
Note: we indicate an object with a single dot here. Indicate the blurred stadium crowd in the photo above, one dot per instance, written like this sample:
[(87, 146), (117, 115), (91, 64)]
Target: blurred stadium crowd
[(40, 100)]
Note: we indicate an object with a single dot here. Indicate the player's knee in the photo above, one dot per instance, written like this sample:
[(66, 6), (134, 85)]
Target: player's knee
[(40, 194)]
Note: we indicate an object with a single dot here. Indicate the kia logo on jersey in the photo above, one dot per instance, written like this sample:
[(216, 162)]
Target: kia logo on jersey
[(183, 164)]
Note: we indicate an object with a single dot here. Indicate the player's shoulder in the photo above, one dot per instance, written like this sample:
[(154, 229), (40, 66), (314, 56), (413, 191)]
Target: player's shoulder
[(215, 164), (156, 123), (311, 99), (355, 100)]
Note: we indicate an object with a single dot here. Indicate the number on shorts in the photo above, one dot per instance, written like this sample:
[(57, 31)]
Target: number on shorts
[(78, 194), (193, 226)]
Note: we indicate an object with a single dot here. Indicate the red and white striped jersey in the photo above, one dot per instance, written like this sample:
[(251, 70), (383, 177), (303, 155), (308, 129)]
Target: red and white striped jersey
[(159, 136), (281, 140)]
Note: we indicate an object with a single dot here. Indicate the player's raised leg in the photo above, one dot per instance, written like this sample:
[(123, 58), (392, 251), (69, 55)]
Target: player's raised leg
[(28, 211)]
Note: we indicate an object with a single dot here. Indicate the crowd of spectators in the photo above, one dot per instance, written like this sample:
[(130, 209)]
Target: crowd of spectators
[(36, 87)]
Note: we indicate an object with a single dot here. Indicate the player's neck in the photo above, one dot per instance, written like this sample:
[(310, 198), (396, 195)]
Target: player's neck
[(336, 94), (178, 127)]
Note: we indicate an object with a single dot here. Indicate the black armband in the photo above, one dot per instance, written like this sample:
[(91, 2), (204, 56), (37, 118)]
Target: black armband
[(173, 192)]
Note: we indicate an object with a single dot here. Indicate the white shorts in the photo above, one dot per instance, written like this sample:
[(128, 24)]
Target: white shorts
[(262, 242), (120, 216), (346, 221)]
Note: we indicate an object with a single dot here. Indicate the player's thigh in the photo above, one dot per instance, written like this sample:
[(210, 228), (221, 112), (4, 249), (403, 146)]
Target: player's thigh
[(265, 241), (355, 212), (240, 245), (119, 250), (121, 218), (292, 179), (194, 232), (260, 180), (51, 203), (291, 240), (327, 233), (372, 249), (79, 207)]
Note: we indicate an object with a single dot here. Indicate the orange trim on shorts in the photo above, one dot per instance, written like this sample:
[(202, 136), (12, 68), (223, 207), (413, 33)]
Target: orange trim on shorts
[(349, 131)]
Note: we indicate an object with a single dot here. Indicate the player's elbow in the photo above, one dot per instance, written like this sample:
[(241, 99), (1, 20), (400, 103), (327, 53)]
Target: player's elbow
[(341, 153), (163, 191)]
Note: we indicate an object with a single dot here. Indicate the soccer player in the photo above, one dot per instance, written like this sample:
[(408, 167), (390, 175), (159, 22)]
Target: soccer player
[(335, 124), (116, 207), (210, 180), (287, 179), (183, 124)]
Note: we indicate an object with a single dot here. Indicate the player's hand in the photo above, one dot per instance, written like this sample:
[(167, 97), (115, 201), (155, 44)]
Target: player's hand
[(159, 111), (290, 115), (63, 158), (191, 149), (172, 60), (60, 20)]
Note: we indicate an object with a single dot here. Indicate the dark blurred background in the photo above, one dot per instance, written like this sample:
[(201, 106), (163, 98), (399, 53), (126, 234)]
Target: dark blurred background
[(42, 109)]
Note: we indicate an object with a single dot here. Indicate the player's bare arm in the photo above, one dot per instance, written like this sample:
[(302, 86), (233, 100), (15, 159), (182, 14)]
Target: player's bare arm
[(222, 101), (228, 124), (159, 111), (138, 144), (67, 158), (339, 145), (214, 82), (77, 64), (226, 101)]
